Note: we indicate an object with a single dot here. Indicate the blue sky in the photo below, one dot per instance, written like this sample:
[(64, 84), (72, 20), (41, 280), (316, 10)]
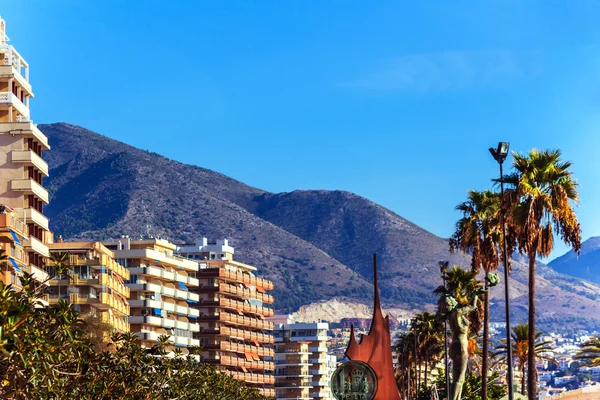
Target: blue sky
[(395, 102)]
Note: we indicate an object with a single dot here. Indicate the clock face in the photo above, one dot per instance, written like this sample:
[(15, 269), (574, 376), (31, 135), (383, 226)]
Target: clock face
[(354, 380)]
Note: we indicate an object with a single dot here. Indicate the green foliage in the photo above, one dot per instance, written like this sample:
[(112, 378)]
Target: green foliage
[(589, 353), (47, 353), (471, 388)]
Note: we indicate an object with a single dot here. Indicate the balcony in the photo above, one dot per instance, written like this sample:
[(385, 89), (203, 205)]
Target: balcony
[(293, 383), (33, 215), (241, 362), (165, 305), (238, 306), (29, 186), (241, 334), (164, 322), (238, 320), (28, 157), (8, 98), (14, 63), (159, 257), (176, 340), (236, 277), (186, 279), (27, 129), (241, 348), (267, 392), (241, 292), (34, 244), (38, 274), (253, 378), (11, 222), (117, 323), (104, 301)]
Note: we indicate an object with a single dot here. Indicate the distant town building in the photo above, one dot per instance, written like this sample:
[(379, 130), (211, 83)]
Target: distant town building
[(22, 168), (303, 367), (234, 333), (161, 285), (94, 282)]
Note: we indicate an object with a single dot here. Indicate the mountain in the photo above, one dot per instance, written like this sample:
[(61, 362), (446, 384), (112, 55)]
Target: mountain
[(586, 265), (315, 244)]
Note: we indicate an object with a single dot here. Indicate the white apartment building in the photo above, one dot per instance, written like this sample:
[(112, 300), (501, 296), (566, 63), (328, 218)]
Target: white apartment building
[(161, 285), (303, 368)]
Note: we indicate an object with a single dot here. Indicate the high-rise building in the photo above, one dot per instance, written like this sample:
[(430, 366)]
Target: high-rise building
[(233, 330), (161, 285), (91, 280), (303, 367), (13, 233), (22, 168)]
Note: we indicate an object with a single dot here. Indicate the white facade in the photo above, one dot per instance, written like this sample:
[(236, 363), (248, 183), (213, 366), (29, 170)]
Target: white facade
[(301, 358), (161, 285)]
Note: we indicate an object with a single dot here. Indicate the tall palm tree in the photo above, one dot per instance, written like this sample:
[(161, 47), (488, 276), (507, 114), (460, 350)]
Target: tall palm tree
[(540, 200), (429, 331), (478, 232), (520, 352), (407, 360), (589, 353)]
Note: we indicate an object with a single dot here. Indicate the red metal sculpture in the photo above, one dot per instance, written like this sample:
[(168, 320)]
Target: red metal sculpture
[(375, 349)]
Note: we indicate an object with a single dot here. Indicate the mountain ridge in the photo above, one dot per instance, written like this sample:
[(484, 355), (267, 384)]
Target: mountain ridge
[(315, 245)]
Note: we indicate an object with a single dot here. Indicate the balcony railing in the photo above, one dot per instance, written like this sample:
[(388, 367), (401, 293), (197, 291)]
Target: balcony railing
[(11, 99), (237, 277), (117, 323), (164, 322), (238, 320), (241, 334), (242, 362), (241, 348), (253, 378), (176, 340), (293, 383), (30, 158), (238, 305), (38, 274), (33, 215), (31, 187), (160, 272), (242, 292), (36, 245)]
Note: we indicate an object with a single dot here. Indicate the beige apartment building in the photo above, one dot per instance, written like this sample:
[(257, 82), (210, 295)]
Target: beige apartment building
[(234, 333), (94, 282), (22, 168), (303, 367), (162, 286)]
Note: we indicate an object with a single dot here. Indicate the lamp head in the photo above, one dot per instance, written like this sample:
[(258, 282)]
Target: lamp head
[(502, 149), (501, 152)]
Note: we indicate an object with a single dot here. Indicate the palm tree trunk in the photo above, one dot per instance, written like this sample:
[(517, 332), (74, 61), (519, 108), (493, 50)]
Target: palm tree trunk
[(426, 365), (484, 362), (523, 377), (531, 378)]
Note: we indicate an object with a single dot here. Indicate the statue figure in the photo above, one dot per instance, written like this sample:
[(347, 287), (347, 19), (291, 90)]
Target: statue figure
[(459, 351), (458, 319)]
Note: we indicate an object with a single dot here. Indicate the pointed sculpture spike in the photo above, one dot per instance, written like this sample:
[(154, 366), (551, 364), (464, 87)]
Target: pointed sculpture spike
[(377, 305)]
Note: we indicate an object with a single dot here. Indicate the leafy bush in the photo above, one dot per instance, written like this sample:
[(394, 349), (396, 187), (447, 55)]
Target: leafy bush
[(47, 353)]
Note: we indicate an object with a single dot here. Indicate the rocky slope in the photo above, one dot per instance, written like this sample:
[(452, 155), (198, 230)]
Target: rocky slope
[(315, 245), (586, 265)]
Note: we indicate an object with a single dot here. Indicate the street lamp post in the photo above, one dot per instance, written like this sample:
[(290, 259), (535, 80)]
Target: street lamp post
[(500, 154), (443, 269)]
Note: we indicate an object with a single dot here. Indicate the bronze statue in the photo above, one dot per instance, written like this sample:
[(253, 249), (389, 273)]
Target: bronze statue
[(459, 349), (458, 318)]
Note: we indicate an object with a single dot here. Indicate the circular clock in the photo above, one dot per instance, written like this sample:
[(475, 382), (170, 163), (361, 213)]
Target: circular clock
[(354, 380)]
